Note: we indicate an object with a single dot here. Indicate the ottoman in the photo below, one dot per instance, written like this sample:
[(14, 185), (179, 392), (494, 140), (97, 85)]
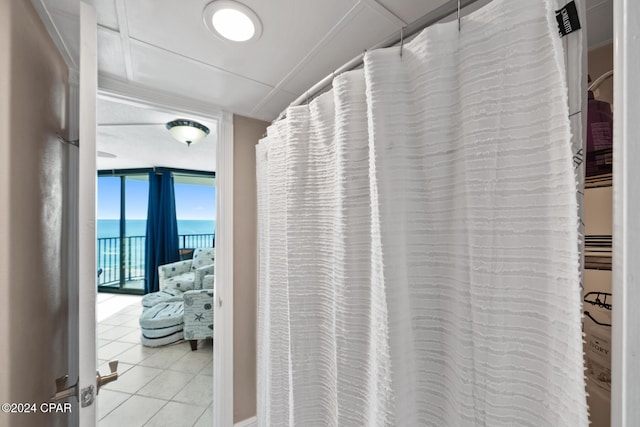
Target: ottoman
[(162, 324), (163, 296)]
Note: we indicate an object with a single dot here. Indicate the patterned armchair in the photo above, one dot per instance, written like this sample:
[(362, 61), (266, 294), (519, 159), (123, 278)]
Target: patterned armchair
[(189, 274), (198, 313)]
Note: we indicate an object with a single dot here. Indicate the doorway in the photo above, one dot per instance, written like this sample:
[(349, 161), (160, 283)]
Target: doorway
[(168, 381)]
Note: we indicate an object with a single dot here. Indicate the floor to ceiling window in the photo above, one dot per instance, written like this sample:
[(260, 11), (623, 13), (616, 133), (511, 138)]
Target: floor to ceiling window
[(195, 211), (121, 227)]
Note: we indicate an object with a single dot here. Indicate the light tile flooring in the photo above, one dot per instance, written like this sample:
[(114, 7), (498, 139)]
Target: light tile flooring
[(164, 386)]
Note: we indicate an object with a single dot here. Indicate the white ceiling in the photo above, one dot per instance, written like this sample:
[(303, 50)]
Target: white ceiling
[(137, 136), (164, 46)]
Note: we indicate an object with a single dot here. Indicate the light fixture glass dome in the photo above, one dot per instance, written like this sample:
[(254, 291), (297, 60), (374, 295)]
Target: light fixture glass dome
[(187, 131), (233, 21)]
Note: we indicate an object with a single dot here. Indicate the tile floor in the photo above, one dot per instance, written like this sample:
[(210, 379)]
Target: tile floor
[(164, 386)]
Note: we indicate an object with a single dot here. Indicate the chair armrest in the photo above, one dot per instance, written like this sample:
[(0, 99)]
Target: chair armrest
[(200, 275), (173, 269), (195, 297), (208, 281), (197, 302)]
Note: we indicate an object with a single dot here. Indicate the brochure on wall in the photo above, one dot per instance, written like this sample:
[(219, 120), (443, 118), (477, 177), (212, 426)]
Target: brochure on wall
[(598, 348)]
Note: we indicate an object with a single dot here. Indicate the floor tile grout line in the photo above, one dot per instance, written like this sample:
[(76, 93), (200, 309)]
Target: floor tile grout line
[(118, 405), (181, 353), (154, 414)]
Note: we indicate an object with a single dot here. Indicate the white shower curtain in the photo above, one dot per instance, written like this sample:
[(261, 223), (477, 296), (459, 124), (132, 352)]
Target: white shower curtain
[(417, 233)]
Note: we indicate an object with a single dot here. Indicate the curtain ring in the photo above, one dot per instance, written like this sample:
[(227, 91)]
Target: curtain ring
[(401, 40), (458, 15)]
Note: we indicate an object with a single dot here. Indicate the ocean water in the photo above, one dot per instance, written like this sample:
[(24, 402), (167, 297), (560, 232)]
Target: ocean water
[(192, 234), (138, 227)]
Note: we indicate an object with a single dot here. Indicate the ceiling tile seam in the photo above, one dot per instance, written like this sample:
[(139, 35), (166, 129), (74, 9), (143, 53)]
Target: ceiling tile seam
[(58, 39), (123, 26), (348, 17), (268, 113), (383, 11), (197, 61)]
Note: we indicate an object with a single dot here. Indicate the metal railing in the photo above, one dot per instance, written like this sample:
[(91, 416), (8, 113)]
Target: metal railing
[(196, 241), (108, 256)]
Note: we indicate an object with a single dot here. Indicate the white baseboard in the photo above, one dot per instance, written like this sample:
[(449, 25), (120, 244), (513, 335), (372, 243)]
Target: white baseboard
[(249, 422)]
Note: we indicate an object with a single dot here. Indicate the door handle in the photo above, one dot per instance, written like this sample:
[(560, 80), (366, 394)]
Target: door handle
[(106, 379), (62, 391)]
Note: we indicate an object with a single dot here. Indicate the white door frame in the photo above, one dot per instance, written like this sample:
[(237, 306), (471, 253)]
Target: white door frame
[(72, 236), (87, 389), (131, 94), (625, 360)]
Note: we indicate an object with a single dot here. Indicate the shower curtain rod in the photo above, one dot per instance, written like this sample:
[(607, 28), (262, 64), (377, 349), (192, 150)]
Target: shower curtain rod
[(404, 33)]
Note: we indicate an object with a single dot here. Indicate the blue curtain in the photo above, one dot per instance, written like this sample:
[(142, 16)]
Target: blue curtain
[(161, 245)]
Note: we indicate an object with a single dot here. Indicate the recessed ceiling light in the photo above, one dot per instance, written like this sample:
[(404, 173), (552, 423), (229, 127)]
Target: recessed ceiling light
[(233, 21)]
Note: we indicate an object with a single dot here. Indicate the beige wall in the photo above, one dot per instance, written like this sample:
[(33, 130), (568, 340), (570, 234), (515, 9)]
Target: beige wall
[(246, 133), (5, 78), (601, 61), (33, 303)]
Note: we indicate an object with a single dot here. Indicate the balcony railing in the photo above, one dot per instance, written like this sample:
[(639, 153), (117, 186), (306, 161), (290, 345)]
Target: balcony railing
[(108, 256)]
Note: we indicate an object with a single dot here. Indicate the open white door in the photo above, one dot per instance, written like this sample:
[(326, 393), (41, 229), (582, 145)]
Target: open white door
[(87, 388), (625, 354)]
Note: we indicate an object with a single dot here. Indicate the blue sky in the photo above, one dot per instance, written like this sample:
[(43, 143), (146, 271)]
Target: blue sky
[(192, 201)]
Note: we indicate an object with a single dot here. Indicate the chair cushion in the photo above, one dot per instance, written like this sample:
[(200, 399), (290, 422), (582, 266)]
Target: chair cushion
[(183, 282), (162, 315), (165, 295)]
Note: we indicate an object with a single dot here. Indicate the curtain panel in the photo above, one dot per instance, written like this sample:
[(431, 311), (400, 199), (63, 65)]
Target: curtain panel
[(417, 236), (161, 243)]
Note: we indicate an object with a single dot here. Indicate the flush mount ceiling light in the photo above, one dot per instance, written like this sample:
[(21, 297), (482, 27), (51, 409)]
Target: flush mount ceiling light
[(233, 21), (187, 131)]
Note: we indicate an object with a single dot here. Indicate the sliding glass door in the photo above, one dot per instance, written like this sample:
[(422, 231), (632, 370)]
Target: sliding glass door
[(121, 229)]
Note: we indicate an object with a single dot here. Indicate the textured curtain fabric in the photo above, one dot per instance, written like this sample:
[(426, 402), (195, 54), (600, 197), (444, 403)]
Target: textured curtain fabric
[(417, 234), (161, 244)]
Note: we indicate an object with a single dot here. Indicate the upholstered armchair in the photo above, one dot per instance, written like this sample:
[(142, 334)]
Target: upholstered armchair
[(189, 274), (198, 313)]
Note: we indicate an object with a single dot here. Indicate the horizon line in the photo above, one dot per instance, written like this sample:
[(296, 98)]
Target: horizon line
[(144, 219)]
